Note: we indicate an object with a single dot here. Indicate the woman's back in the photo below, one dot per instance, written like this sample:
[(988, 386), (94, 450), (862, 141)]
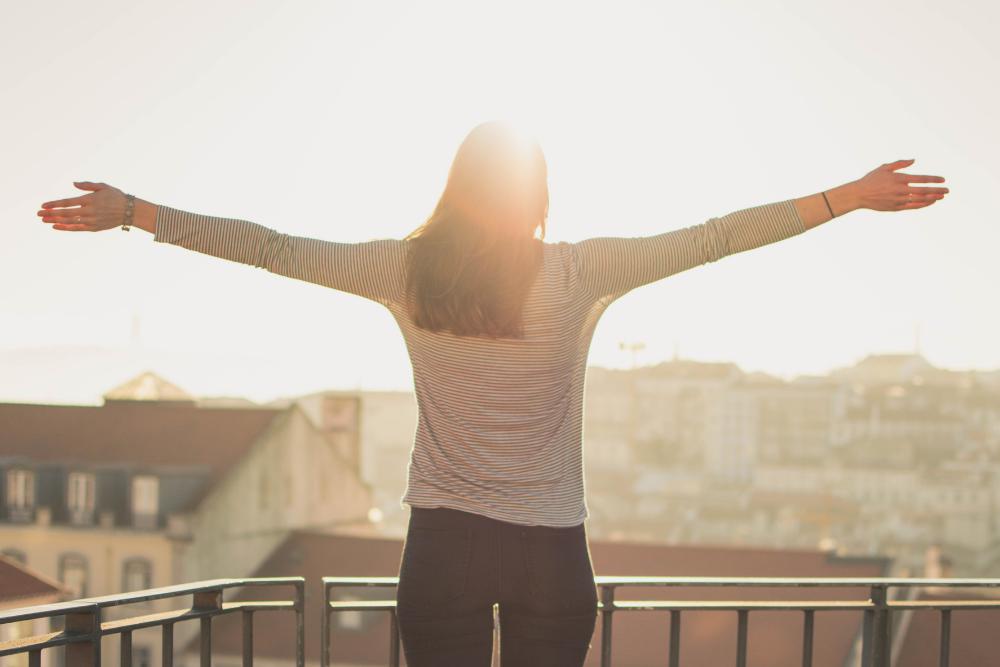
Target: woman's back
[(500, 420)]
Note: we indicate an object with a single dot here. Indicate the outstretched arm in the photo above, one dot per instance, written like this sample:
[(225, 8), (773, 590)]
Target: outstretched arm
[(371, 269), (609, 267)]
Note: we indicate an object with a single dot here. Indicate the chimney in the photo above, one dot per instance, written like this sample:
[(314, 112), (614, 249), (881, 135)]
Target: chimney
[(947, 567), (934, 562), (43, 516), (179, 527), (340, 419)]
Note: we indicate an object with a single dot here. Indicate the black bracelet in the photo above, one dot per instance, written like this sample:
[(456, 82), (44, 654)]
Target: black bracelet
[(828, 205)]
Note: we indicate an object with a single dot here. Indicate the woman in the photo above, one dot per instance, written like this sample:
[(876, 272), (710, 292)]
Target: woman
[(497, 323)]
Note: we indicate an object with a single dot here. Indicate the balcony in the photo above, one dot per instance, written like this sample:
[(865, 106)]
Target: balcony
[(84, 621)]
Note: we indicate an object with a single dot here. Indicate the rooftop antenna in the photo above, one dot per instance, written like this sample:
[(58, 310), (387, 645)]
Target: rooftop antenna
[(633, 348)]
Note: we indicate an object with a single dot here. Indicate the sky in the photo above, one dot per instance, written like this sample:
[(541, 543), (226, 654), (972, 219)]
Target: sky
[(339, 120)]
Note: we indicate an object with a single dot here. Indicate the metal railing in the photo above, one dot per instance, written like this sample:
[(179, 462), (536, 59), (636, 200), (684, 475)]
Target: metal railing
[(84, 627), (875, 631)]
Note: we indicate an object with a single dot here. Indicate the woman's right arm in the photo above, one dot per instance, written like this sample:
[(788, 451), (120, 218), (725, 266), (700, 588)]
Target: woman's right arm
[(609, 267)]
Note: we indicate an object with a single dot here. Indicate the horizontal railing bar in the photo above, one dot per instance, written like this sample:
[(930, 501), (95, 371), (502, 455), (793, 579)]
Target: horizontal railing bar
[(612, 580), (363, 605), (605, 580), (174, 615), (732, 605), (944, 604), (740, 605), (38, 642), (44, 610), (89, 604), (360, 581), (187, 589)]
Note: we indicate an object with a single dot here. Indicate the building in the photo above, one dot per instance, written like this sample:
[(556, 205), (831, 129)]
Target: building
[(151, 489)]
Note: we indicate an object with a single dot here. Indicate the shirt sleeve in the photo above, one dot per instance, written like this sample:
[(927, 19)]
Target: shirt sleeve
[(370, 269), (609, 267)]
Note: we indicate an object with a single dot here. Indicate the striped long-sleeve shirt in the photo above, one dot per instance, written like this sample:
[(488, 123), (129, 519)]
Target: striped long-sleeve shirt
[(500, 421)]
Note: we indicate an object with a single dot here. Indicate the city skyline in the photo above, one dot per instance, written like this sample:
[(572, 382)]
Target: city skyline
[(94, 371)]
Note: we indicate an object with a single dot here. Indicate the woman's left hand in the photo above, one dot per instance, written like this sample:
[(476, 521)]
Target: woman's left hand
[(103, 208)]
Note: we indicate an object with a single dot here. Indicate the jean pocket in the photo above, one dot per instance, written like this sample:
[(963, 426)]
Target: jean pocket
[(560, 573), (435, 565)]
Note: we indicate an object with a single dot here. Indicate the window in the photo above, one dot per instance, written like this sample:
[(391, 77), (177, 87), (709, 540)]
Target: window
[(73, 573), (145, 501), (20, 494), (137, 575), (80, 497)]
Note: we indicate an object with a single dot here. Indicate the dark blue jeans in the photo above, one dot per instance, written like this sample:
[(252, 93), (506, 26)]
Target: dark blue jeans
[(456, 565)]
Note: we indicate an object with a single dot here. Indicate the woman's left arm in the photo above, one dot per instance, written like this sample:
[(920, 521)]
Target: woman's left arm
[(370, 269)]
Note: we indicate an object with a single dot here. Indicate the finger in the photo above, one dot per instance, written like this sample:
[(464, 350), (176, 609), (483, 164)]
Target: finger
[(72, 201), (90, 185), (927, 191), (73, 227), (915, 204), (914, 178), (76, 210), (898, 164), (87, 219)]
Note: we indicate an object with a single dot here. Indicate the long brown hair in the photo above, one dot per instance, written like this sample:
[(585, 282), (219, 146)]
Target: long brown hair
[(471, 263)]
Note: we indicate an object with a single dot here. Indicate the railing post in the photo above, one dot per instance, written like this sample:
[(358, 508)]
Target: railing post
[(880, 627), (393, 639), (167, 645), (866, 638), (210, 600), (300, 624), (608, 602), (84, 654), (324, 650), (807, 638), (675, 637), (126, 649), (944, 649), (247, 638), (743, 617)]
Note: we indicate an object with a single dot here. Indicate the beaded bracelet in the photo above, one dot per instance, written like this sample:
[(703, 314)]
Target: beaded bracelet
[(129, 210)]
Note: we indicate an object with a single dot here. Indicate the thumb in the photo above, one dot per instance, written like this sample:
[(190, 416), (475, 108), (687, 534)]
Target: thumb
[(88, 185)]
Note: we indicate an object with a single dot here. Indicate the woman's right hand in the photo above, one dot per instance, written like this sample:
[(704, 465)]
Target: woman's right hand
[(884, 189)]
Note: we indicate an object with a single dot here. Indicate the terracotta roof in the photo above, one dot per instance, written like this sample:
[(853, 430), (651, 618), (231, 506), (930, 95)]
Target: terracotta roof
[(146, 433), (708, 638), (19, 582)]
